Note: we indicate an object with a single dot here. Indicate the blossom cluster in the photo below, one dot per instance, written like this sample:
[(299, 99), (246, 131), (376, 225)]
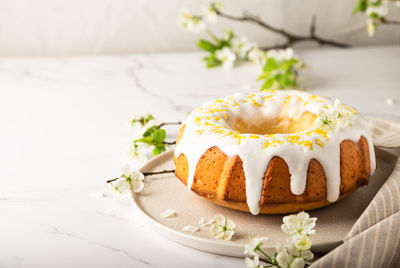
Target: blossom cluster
[(335, 117), (129, 180), (295, 254), (148, 138), (376, 11), (280, 67)]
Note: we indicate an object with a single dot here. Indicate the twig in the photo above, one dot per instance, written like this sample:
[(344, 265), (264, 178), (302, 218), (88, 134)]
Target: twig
[(169, 142), (290, 37), (165, 171), (169, 123), (150, 173), (391, 22), (283, 46)]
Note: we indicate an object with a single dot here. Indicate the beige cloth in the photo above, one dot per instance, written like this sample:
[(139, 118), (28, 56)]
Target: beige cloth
[(374, 241)]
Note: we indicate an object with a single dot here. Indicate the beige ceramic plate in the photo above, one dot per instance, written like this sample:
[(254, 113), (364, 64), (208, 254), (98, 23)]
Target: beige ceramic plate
[(167, 192)]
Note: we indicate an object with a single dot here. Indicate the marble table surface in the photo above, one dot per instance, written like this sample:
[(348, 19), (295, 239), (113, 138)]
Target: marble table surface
[(63, 134)]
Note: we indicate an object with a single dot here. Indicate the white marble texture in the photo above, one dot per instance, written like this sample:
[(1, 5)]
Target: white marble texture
[(63, 135)]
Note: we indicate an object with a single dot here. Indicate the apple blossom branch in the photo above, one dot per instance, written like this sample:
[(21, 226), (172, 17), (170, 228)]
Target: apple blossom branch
[(291, 38), (151, 134), (150, 173)]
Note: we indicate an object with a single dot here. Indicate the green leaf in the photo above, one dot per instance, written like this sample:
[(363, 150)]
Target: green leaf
[(374, 16), (284, 80), (270, 65), (148, 140), (150, 131), (287, 64), (159, 135), (377, 3), (211, 61), (206, 45), (268, 84), (156, 151), (223, 43), (361, 6), (159, 148), (213, 64), (264, 75)]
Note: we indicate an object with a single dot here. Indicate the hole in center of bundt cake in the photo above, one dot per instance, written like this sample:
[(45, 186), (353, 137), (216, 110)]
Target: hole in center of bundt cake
[(281, 124)]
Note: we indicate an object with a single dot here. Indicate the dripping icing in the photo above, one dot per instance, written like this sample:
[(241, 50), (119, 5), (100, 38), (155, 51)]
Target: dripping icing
[(208, 126)]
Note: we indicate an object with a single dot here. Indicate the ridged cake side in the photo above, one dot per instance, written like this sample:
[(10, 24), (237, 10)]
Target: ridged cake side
[(221, 179)]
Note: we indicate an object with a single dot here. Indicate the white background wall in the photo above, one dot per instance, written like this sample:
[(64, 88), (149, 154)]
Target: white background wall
[(70, 27)]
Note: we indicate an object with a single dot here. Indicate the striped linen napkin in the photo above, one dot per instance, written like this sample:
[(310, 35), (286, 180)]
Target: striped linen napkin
[(374, 240)]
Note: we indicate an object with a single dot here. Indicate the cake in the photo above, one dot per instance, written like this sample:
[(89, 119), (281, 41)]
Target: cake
[(274, 152)]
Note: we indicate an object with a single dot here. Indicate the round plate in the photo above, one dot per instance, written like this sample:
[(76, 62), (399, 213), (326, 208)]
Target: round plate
[(165, 191)]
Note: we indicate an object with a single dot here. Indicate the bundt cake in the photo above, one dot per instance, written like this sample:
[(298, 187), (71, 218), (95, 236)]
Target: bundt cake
[(274, 152)]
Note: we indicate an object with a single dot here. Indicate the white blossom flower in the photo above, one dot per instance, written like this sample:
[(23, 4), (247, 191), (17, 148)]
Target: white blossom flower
[(130, 179), (371, 27), (281, 54), (228, 35), (222, 228), (297, 263), (298, 224), (121, 185), (217, 4), (190, 228), (257, 56), (335, 117), (303, 242), (140, 152), (296, 254), (283, 258), (241, 46), (191, 22), (168, 213), (381, 10), (254, 244), (205, 221), (143, 119), (307, 255), (209, 13), (226, 56), (389, 101), (254, 262)]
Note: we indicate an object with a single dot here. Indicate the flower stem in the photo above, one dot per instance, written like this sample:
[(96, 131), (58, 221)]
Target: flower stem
[(165, 171), (149, 173), (212, 35), (169, 123), (265, 254)]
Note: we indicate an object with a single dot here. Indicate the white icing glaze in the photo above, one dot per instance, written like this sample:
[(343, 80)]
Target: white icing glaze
[(208, 126)]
